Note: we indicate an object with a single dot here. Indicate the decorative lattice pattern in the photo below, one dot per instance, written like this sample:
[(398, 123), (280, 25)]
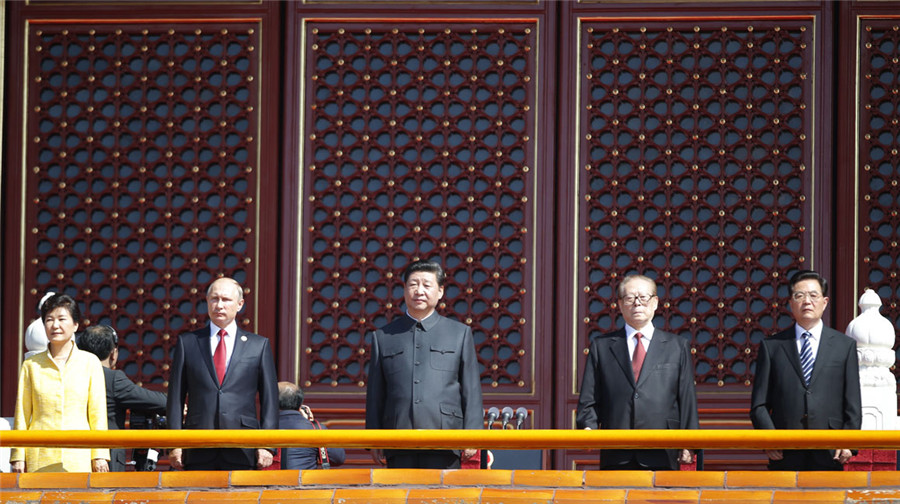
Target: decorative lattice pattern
[(419, 146), (695, 171), (142, 175), (879, 196)]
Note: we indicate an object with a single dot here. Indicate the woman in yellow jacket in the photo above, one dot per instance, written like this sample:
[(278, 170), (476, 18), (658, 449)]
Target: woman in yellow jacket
[(61, 388)]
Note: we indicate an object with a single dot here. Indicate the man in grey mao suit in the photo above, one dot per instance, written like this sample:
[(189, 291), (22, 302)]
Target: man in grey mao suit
[(638, 377), (423, 373), (782, 398), (248, 372)]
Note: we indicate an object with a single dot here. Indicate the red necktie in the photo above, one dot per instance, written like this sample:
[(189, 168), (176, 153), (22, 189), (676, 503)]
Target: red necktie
[(637, 360), (219, 356)]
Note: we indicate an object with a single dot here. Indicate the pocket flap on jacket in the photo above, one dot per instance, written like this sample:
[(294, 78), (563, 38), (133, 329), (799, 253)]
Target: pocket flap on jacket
[(451, 409), (249, 422), (391, 352)]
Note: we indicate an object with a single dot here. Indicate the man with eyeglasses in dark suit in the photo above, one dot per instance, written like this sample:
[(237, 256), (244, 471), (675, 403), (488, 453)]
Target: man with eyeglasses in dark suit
[(807, 377), (639, 377)]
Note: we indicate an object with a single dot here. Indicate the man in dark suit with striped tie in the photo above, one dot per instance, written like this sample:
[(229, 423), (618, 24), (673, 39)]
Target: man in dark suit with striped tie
[(807, 377)]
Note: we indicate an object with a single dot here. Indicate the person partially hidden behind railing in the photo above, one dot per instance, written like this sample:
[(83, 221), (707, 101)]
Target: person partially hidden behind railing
[(61, 388), (296, 415), (807, 377), (121, 393), (639, 377)]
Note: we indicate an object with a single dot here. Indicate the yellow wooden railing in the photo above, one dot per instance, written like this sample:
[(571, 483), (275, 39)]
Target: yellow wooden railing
[(490, 439)]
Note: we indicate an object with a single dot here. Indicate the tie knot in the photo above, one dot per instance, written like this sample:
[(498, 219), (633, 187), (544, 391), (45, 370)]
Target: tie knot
[(638, 336), (807, 335), (222, 333)]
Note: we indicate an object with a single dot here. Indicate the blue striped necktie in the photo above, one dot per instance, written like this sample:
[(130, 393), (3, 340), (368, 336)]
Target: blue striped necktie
[(806, 357)]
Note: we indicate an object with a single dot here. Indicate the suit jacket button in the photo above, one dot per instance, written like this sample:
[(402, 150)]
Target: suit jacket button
[(415, 381), (418, 401), (636, 395), (417, 363)]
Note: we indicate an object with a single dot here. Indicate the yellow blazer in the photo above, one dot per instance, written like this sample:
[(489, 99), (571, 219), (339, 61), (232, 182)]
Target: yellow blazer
[(48, 398)]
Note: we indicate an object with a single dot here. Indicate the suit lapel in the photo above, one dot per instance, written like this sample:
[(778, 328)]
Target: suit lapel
[(619, 348), (240, 343), (203, 350), (788, 341), (823, 355), (658, 348)]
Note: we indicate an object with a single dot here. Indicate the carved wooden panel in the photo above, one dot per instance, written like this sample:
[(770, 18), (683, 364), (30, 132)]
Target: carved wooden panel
[(142, 176), (419, 144), (878, 196), (695, 168)]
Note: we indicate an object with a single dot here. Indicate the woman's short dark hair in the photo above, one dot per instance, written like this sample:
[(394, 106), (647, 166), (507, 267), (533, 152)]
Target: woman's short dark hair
[(61, 301), (428, 267)]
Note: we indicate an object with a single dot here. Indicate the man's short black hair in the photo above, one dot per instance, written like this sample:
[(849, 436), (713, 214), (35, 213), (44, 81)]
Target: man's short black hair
[(428, 267), (61, 301), (809, 275), (290, 396), (99, 340)]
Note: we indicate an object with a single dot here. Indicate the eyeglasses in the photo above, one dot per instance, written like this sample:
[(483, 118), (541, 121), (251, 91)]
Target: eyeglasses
[(643, 298), (812, 295)]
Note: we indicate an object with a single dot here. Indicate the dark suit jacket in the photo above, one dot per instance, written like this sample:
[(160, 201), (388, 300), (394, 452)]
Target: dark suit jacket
[(663, 398), (304, 458), (121, 395), (250, 374), (782, 400), (425, 378)]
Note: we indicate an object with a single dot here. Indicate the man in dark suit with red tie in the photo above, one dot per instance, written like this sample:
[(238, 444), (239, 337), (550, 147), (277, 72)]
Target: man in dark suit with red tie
[(807, 377), (639, 377), (219, 371)]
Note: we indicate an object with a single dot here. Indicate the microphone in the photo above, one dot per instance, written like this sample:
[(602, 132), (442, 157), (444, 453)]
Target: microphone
[(506, 416), (521, 415), (492, 415)]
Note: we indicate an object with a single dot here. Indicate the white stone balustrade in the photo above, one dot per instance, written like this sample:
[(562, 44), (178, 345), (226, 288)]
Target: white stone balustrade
[(874, 335)]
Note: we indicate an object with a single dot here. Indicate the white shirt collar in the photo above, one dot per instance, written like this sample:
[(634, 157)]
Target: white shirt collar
[(230, 329), (815, 331), (646, 332)]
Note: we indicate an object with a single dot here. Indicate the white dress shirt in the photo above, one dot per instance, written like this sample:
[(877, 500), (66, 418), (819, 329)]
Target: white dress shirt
[(231, 331), (646, 337), (814, 339)]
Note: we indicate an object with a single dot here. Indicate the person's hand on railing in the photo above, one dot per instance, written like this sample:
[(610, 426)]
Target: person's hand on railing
[(686, 457), (100, 465), (17, 467), (264, 458), (467, 454), (775, 454), (175, 459), (842, 455), (378, 456)]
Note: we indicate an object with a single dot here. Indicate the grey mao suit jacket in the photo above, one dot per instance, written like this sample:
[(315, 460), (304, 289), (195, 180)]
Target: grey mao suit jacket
[(423, 376), (782, 400), (663, 397), (250, 373)]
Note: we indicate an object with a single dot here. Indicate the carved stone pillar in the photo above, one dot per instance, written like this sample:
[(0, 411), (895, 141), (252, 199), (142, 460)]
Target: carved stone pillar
[(874, 337)]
